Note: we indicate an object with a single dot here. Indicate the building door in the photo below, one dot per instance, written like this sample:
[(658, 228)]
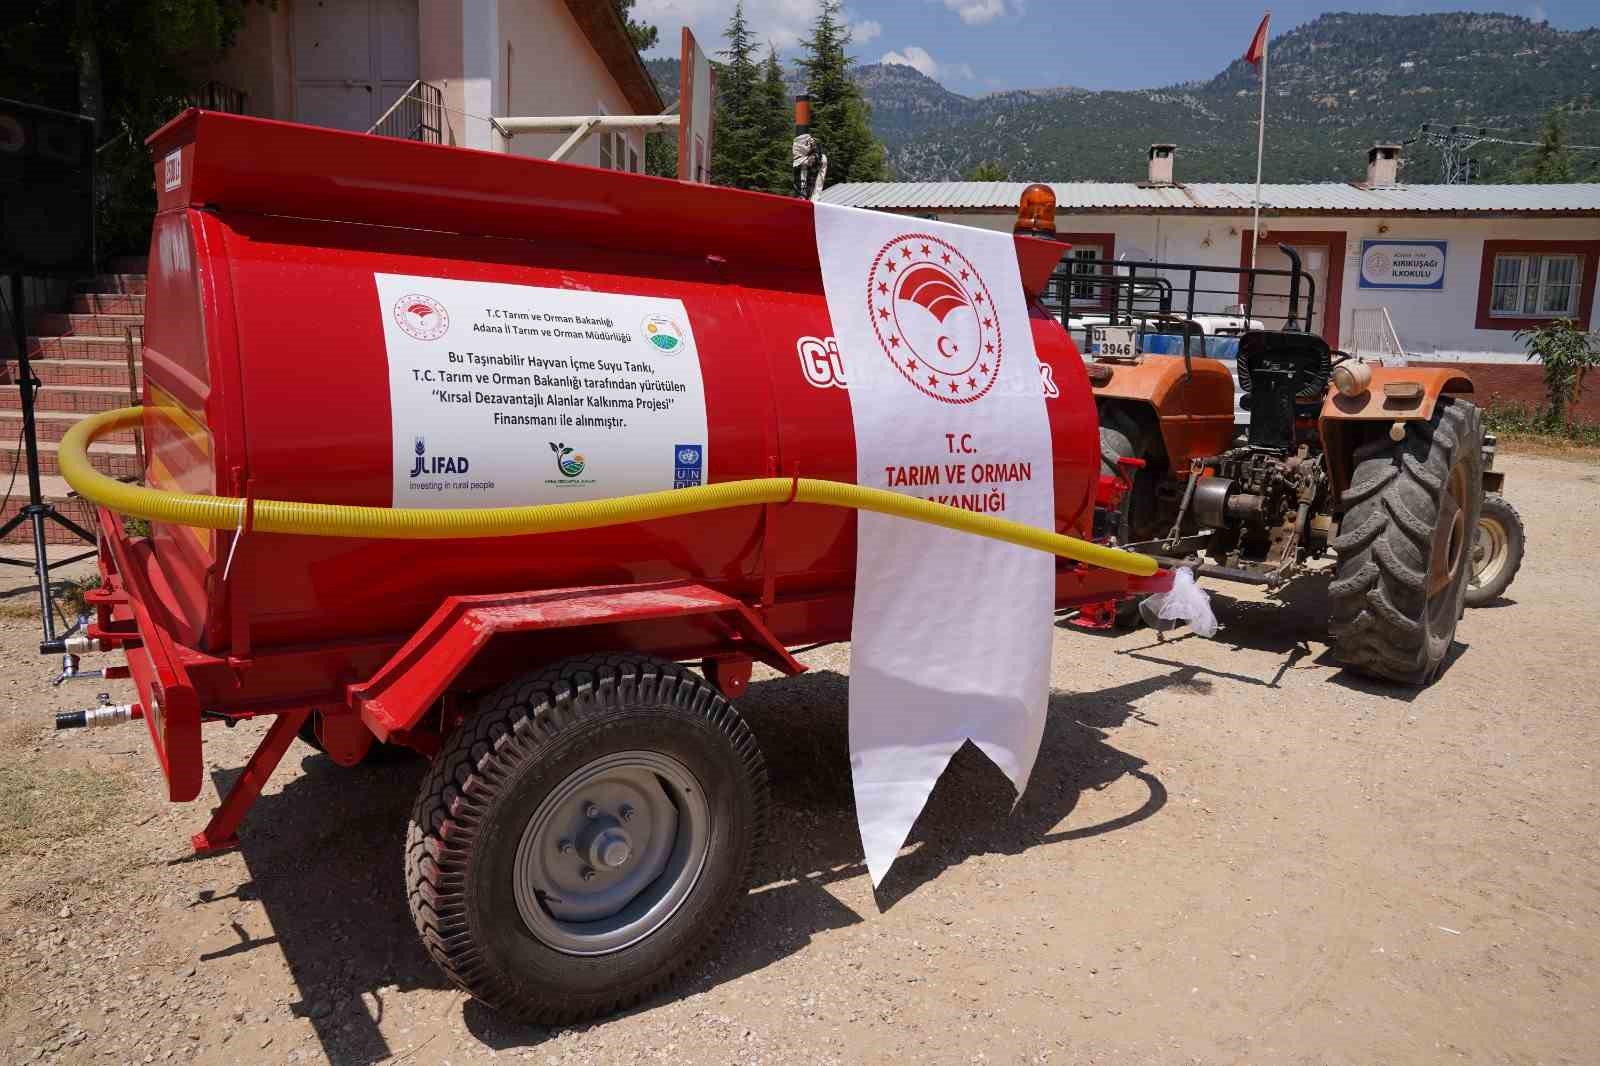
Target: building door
[(352, 59), (1321, 256)]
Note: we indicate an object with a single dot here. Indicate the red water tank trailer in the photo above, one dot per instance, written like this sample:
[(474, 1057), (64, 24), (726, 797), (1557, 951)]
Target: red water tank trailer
[(556, 871)]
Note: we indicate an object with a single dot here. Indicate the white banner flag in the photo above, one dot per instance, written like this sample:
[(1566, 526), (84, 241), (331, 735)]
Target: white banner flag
[(951, 633)]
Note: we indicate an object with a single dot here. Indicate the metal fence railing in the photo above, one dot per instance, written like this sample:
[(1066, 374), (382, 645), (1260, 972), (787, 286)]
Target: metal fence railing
[(1181, 298), (418, 115), (215, 96)]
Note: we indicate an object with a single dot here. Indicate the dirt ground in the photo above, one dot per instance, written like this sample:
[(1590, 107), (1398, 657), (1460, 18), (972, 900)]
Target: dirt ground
[(1230, 852)]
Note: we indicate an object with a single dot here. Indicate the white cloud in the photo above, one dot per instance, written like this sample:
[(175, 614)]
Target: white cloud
[(865, 30), (918, 59), (978, 12), (782, 23)]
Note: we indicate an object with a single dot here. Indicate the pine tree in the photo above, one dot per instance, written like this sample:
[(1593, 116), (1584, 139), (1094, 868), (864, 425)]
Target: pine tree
[(736, 146), (988, 170), (839, 113), (643, 34), (1550, 162), (777, 127)]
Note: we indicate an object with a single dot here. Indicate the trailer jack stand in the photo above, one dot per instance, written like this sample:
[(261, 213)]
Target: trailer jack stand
[(221, 833)]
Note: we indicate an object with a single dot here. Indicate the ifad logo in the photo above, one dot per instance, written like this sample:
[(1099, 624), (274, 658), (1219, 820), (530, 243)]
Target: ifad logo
[(664, 334), (934, 318), (568, 461), (426, 464), (421, 317)]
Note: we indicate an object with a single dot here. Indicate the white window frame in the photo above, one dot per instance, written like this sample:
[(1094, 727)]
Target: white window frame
[(1083, 290), (1538, 288)]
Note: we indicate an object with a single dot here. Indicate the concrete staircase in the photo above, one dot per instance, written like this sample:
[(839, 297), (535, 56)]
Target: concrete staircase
[(80, 357)]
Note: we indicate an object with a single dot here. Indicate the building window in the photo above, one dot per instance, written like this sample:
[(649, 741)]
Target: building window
[(1083, 266), (1535, 286), (607, 154), (1527, 283), (1090, 254)]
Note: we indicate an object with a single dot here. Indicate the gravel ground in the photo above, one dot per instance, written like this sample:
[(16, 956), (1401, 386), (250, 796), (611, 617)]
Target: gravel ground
[(1230, 852)]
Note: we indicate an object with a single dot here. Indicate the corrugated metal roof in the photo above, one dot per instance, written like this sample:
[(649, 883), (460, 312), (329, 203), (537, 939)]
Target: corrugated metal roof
[(1232, 197)]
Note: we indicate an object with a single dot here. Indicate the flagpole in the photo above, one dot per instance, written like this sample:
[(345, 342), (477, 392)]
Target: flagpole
[(1261, 144)]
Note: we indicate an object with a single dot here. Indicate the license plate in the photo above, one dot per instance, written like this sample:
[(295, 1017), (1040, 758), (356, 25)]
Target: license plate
[(1113, 342)]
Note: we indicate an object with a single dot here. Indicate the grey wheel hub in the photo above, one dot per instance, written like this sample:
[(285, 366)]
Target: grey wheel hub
[(611, 853), (1489, 550)]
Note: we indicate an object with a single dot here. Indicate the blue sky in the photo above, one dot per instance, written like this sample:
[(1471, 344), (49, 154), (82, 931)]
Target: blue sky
[(976, 46)]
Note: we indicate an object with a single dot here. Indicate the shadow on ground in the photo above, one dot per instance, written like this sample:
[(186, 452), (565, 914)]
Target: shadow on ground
[(324, 853), (1289, 624)]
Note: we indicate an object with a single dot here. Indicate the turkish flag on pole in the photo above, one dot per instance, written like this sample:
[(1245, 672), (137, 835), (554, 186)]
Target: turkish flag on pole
[(1258, 44)]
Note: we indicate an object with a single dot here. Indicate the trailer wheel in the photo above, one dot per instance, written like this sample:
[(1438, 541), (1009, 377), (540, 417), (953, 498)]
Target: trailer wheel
[(1405, 546), (1496, 551), (580, 841)]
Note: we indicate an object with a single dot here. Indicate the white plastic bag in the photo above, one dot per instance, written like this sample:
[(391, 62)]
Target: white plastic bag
[(1187, 602)]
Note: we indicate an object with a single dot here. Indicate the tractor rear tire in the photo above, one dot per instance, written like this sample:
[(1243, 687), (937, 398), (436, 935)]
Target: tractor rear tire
[(580, 841), (1405, 546), (1496, 552), (1136, 516), (1120, 439)]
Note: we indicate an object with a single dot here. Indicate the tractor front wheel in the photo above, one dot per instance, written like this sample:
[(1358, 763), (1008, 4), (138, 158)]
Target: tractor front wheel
[(1496, 552), (581, 839), (1405, 546)]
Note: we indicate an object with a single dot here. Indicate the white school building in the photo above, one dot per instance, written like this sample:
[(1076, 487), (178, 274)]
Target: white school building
[(1459, 268)]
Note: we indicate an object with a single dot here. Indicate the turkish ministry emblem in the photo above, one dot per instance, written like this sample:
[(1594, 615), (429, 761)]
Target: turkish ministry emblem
[(421, 317), (934, 318)]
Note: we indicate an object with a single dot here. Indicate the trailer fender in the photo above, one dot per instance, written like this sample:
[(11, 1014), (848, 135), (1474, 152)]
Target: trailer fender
[(464, 632), (1397, 394)]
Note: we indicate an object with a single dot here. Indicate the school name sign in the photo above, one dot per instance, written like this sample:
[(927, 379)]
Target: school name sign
[(1403, 264)]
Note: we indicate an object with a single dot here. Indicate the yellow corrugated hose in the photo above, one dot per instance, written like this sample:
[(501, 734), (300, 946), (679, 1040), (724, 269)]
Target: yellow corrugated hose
[(397, 523)]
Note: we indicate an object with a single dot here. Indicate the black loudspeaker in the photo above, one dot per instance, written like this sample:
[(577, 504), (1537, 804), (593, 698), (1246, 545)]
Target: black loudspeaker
[(46, 191)]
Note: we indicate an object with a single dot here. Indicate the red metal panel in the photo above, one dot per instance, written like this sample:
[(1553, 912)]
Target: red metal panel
[(398, 695)]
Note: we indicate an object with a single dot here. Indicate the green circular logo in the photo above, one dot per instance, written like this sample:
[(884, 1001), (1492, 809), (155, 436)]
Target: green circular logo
[(663, 333)]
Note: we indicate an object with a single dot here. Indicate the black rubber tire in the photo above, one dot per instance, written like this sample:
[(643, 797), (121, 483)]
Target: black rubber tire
[(494, 771), (1135, 517), (1498, 509), (1384, 622), (1119, 439)]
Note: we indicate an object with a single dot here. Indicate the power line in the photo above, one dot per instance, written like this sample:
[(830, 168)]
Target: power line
[(1456, 167), (1453, 142)]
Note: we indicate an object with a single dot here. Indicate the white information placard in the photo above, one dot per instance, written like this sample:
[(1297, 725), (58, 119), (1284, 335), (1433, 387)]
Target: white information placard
[(951, 632), (504, 395)]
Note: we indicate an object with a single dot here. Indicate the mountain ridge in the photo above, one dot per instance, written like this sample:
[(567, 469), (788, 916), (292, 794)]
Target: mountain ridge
[(1338, 84)]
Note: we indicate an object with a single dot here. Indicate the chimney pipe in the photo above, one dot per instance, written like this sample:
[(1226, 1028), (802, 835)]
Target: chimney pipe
[(1383, 165), (1161, 156)]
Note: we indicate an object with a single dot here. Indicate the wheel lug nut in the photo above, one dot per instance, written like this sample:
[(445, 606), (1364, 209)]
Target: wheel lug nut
[(591, 811), (587, 873), (626, 812), (565, 847)]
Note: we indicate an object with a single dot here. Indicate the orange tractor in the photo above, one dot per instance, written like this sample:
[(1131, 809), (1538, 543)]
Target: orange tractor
[(1257, 471)]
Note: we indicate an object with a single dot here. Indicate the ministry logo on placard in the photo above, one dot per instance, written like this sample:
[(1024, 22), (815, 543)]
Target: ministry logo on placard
[(934, 317), (421, 317)]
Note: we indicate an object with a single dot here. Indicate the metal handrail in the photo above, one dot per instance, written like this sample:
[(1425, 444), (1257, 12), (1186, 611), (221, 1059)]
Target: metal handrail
[(417, 115), (215, 96), (1137, 291)]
